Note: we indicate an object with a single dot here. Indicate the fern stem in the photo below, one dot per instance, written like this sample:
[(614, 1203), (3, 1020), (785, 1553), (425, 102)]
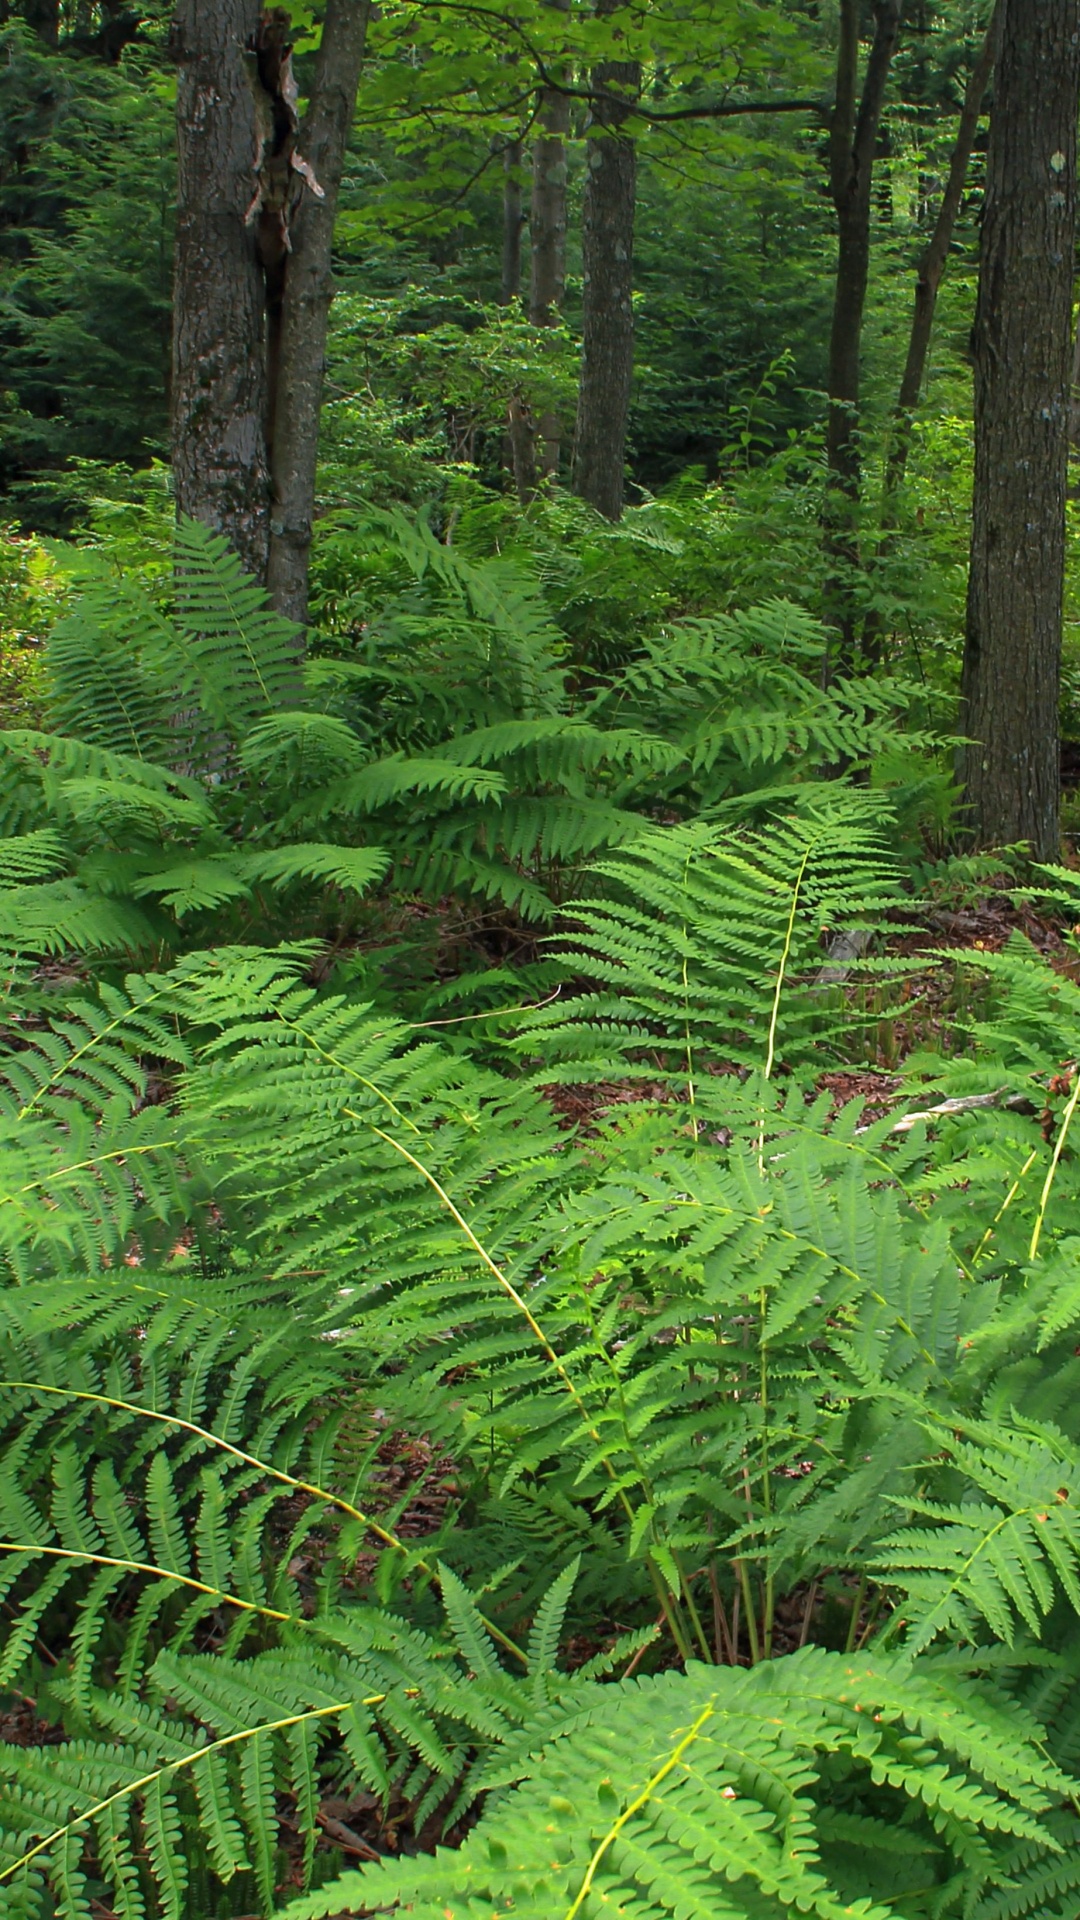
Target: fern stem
[(856, 1614), (1005, 1205), (768, 1614), (669, 1604), (635, 1806), (808, 1613), (158, 1573), (725, 1646), (335, 1060), (784, 958), (101, 1033), (871, 1620), (689, 1043), (695, 1617), (275, 1473), (670, 1609), (774, 1019), (766, 1481), (1059, 1146), (176, 1766), (743, 1572)]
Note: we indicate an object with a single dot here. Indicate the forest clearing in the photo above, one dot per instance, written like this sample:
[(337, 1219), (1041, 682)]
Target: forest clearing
[(540, 955)]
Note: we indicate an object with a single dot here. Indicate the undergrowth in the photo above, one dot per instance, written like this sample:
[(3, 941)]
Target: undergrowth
[(755, 1583)]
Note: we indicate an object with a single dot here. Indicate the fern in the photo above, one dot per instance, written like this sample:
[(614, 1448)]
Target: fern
[(729, 1371), (715, 937), (674, 1794)]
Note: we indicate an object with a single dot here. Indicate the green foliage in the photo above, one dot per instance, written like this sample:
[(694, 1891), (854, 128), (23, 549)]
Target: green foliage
[(28, 591), (675, 1794), (728, 1364), (712, 940), (468, 1390), (80, 249), (195, 776)]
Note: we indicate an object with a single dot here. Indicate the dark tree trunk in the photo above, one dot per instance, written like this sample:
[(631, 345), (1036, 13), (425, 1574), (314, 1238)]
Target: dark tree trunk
[(44, 17), (930, 273), (547, 234), (512, 224), (852, 143), (220, 464), (521, 433), (607, 258), (1023, 362), (297, 379)]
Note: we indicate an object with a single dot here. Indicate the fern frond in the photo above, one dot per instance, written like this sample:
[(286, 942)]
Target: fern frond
[(674, 1794)]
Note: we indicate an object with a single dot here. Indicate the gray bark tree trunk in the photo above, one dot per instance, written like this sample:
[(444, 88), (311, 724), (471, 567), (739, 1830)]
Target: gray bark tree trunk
[(607, 255), (547, 234), (1023, 362), (257, 197), (513, 221), (547, 212), (305, 310), (219, 394), (852, 141)]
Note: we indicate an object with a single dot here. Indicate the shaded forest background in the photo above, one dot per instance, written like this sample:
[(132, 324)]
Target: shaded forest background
[(733, 272)]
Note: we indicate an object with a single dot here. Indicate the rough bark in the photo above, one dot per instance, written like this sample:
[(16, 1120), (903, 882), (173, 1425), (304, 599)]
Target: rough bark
[(852, 142), (513, 221), (297, 378), (1022, 354), (220, 465), (607, 258)]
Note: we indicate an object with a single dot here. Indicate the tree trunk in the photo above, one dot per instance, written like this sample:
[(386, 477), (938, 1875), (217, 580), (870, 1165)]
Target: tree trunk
[(308, 290), (547, 234), (547, 212), (44, 17), (512, 224), (852, 141), (607, 257), (220, 465), (1023, 361), (521, 434), (256, 204)]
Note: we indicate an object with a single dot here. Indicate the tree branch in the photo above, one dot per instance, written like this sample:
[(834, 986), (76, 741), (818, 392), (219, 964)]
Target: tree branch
[(593, 94)]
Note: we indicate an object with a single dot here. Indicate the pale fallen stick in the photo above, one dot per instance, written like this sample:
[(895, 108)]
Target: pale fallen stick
[(1018, 1102)]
